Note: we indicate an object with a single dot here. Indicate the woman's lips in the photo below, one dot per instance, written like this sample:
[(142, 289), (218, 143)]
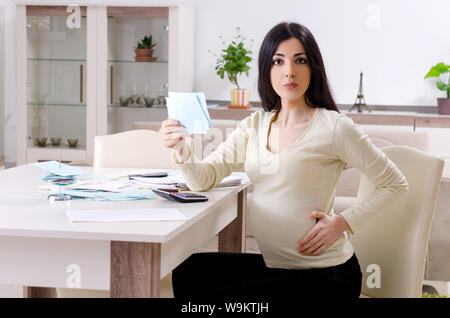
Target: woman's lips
[(290, 85)]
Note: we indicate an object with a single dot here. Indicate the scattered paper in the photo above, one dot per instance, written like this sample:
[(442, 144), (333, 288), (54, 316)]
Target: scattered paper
[(100, 185), (59, 169), (177, 182), (229, 181), (126, 194)]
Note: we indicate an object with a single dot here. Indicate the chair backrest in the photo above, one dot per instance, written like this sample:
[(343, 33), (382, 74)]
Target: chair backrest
[(152, 125), (202, 144), (132, 149), (396, 239), (381, 136)]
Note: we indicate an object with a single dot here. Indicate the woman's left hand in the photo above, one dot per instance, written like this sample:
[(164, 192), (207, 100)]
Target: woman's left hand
[(326, 231)]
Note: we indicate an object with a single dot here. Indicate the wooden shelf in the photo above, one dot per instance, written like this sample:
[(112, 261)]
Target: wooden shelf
[(394, 118), (137, 12)]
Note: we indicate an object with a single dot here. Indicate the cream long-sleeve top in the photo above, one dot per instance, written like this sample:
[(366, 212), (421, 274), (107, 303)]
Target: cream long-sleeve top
[(298, 180)]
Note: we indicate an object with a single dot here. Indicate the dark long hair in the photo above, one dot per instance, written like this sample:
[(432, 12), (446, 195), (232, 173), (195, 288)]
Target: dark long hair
[(318, 93)]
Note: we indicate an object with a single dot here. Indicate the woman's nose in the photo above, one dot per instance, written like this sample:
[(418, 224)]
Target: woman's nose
[(289, 70)]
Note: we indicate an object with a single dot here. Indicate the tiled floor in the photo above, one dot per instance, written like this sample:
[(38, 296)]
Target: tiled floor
[(8, 291)]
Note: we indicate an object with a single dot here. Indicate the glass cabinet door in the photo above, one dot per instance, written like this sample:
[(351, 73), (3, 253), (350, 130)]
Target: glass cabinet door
[(56, 76), (137, 80)]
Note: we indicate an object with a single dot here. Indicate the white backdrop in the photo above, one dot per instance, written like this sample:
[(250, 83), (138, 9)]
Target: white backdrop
[(394, 42)]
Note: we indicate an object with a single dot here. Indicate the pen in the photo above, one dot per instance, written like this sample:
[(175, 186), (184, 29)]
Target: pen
[(162, 189), (149, 175), (169, 190)]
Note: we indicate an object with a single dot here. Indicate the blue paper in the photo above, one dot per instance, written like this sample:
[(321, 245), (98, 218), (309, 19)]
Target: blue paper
[(59, 169), (124, 195), (129, 194), (190, 110), (78, 193)]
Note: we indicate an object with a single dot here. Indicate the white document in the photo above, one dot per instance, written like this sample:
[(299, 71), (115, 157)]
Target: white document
[(178, 181), (229, 182), (59, 169), (100, 185), (159, 182), (125, 215)]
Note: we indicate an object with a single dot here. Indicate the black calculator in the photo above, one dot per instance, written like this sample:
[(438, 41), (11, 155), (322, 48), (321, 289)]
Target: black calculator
[(183, 197)]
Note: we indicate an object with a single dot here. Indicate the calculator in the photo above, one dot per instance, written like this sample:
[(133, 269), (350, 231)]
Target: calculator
[(183, 197)]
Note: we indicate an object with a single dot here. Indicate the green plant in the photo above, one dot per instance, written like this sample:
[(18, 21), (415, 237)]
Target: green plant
[(146, 43), (233, 61), (442, 72), (426, 295)]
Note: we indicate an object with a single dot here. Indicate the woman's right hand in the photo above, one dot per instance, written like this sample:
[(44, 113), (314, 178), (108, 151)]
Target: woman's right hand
[(172, 137)]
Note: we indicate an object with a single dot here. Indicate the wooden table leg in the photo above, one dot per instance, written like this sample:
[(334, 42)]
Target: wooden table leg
[(135, 269), (38, 292), (232, 237)]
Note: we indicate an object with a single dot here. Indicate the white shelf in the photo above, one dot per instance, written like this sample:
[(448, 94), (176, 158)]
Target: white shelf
[(56, 104), (48, 72), (137, 106), (39, 59), (52, 153), (130, 61)]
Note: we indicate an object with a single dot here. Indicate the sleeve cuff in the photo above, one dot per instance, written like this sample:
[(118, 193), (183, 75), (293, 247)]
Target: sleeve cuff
[(347, 219), (175, 157)]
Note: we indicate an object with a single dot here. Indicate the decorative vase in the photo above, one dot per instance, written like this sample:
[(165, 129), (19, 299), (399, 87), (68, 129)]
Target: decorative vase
[(149, 101), (443, 106), (240, 98), (41, 142), (55, 141), (124, 101), (72, 142), (144, 55)]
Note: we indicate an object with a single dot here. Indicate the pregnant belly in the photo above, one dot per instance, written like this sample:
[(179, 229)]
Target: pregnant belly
[(280, 225)]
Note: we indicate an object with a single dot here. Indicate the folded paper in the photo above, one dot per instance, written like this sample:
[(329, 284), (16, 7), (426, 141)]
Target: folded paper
[(190, 110)]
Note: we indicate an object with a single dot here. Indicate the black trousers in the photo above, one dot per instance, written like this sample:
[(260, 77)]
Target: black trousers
[(244, 274)]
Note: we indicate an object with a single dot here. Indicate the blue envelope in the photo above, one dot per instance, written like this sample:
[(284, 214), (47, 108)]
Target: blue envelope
[(190, 110), (59, 169)]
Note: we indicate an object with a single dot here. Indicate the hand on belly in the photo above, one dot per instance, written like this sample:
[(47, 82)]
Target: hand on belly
[(324, 233)]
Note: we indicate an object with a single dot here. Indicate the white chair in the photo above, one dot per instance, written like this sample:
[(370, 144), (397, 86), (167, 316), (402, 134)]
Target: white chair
[(396, 238), (381, 136), (130, 149), (203, 144), (152, 125)]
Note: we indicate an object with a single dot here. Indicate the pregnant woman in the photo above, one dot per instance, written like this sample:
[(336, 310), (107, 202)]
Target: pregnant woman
[(293, 152)]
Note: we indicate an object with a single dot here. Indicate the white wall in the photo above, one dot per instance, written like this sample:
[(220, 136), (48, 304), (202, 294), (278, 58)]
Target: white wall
[(2, 80), (7, 70), (393, 42)]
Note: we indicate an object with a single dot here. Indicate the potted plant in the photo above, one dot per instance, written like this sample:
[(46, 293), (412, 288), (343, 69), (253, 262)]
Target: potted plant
[(442, 72), (233, 61), (144, 50)]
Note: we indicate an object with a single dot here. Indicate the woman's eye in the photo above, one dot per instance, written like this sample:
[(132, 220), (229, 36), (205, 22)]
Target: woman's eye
[(276, 62), (302, 60)]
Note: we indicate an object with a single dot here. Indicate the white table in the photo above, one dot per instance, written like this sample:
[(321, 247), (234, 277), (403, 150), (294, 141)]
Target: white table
[(39, 247)]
